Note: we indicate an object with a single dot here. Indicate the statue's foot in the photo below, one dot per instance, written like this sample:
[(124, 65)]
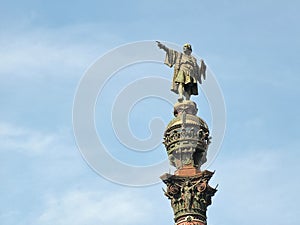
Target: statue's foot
[(180, 99)]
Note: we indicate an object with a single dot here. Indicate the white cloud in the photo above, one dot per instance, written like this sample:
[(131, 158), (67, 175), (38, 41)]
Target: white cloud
[(56, 51), (95, 207), (27, 141)]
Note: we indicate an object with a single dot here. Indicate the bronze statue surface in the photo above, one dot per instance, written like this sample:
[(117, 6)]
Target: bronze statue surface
[(186, 71), (186, 139)]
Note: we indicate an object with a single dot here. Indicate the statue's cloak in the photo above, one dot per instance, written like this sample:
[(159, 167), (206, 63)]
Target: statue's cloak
[(182, 74)]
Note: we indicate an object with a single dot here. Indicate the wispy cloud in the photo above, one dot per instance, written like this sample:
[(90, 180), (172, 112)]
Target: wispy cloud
[(56, 51), (94, 207), (27, 141)]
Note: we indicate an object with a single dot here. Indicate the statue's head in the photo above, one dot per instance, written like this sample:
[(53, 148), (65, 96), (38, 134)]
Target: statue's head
[(187, 48)]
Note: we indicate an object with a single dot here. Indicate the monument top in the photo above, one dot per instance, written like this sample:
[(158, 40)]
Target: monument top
[(186, 71)]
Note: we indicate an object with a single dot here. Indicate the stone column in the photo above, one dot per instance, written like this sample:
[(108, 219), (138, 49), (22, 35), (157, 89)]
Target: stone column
[(186, 140)]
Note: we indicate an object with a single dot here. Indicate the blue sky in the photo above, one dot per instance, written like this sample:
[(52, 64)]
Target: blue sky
[(45, 48)]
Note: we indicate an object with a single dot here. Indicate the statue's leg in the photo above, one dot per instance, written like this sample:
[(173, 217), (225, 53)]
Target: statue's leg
[(180, 91), (187, 96), (187, 92)]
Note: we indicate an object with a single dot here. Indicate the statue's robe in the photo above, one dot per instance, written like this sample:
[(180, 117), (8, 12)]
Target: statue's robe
[(186, 70)]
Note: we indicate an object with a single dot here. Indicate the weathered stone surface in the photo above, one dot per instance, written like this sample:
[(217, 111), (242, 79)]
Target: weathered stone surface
[(187, 71), (186, 137), (190, 196)]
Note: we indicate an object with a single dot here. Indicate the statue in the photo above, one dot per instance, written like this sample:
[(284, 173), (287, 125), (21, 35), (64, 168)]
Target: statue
[(187, 194), (186, 71), (187, 191)]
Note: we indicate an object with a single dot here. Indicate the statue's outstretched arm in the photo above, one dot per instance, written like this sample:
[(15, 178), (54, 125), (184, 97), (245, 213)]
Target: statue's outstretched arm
[(162, 46)]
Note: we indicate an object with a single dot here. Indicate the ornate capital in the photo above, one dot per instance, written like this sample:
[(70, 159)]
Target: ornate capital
[(190, 196)]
